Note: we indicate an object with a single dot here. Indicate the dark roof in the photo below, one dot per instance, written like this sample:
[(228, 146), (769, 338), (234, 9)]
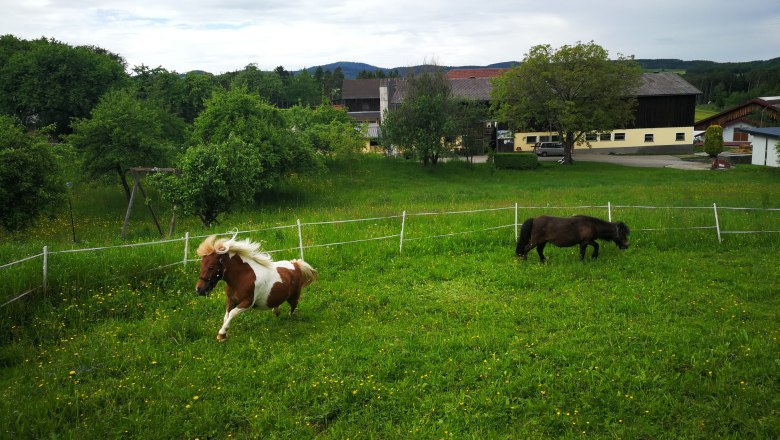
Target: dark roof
[(665, 84), (475, 73), (653, 84), (477, 89), (360, 88), (773, 132)]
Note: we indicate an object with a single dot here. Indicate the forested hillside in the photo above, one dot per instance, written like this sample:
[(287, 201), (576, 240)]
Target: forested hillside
[(725, 85)]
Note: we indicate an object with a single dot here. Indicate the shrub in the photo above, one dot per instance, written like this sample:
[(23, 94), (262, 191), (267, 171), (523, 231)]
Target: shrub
[(713, 140), (516, 161), (31, 181)]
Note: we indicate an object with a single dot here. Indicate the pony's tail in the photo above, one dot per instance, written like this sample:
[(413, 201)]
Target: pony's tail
[(308, 273), (525, 238)]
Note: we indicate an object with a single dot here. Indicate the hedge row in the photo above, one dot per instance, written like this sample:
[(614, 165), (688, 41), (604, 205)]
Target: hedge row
[(516, 161)]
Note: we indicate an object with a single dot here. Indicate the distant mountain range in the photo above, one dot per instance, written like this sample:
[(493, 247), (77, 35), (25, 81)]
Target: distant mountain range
[(352, 69)]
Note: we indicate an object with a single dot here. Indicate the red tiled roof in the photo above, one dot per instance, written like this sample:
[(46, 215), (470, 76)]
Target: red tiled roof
[(475, 73)]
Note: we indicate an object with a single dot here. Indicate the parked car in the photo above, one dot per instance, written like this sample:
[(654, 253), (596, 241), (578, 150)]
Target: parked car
[(548, 149)]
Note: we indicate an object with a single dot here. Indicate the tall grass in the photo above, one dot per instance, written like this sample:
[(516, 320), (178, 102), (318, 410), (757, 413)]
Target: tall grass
[(675, 337)]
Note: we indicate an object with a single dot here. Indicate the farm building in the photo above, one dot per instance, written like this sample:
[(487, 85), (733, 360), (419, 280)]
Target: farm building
[(664, 117), (756, 113), (765, 141)]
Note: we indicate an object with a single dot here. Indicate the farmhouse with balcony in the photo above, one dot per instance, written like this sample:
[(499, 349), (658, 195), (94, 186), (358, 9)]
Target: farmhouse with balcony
[(664, 116), (737, 121)]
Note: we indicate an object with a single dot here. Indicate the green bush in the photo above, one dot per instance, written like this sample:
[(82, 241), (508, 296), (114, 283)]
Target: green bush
[(516, 161), (713, 140)]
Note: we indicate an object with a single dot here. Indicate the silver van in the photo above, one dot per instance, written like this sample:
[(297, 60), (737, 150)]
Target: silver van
[(548, 149)]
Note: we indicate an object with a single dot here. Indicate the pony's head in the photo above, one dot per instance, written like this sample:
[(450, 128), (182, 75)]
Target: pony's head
[(215, 256), (622, 235), (212, 266)]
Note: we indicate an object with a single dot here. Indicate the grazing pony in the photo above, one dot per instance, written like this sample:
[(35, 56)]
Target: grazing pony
[(569, 231), (253, 279)]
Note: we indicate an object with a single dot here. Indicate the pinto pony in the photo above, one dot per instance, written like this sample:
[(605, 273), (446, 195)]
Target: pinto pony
[(569, 231), (253, 279)]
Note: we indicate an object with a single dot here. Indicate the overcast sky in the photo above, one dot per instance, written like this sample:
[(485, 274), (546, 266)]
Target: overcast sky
[(226, 35)]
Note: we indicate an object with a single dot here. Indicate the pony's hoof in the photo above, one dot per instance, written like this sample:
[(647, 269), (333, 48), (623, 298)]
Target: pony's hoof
[(221, 337)]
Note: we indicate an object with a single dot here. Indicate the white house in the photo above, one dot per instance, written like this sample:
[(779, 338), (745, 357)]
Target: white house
[(765, 141)]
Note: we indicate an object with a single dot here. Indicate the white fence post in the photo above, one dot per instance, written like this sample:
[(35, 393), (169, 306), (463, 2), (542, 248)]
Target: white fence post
[(401, 241), (517, 237), (300, 237), (45, 267), (717, 222), (609, 211), (186, 247)]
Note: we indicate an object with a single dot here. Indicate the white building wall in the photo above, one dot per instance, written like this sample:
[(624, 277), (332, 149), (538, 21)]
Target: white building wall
[(728, 131), (764, 151)]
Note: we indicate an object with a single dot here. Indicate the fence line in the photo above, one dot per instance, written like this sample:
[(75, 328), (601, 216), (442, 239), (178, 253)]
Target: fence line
[(20, 261), (70, 251), (401, 235)]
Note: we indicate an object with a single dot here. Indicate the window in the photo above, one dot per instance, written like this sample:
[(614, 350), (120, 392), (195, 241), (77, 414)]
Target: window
[(649, 137), (544, 138), (740, 136), (530, 139), (620, 136), (590, 137), (679, 137), (605, 137)]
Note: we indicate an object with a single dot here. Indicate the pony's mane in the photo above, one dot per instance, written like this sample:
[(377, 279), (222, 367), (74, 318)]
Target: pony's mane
[(246, 249)]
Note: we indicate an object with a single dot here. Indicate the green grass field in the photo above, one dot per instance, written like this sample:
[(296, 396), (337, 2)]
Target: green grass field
[(703, 112), (675, 337)]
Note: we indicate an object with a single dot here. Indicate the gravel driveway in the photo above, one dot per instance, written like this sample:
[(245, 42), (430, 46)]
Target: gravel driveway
[(646, 161)]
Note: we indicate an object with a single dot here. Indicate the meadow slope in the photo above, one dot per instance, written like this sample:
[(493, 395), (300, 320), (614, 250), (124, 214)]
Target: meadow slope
[(675, 337)]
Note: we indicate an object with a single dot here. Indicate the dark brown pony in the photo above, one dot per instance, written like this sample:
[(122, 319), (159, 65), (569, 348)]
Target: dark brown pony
[(253, 279), (569, 231)]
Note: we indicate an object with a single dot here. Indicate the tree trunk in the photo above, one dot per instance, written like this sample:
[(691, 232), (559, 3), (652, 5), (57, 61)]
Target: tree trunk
[(568, 148)]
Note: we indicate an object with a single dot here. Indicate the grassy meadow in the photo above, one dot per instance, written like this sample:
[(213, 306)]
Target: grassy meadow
[(703, 112), (675, 337)]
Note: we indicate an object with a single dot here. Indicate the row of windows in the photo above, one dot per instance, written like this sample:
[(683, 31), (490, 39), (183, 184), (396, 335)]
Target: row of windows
[(592, 137)]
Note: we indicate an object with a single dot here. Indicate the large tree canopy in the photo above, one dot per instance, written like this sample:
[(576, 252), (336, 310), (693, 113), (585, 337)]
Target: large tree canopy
[(330, 130), (45, 82), (123, 132), (571, 91), (262, 149)]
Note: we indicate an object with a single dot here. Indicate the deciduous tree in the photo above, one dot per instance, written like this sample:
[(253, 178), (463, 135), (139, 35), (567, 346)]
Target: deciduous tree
[(426, 121), (571, 91), (31, 182), (122, 132), (44, 82), (215, 178)]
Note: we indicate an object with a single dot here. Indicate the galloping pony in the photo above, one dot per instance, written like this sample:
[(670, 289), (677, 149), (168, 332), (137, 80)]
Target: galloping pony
[(253, 279), (569, 231)]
